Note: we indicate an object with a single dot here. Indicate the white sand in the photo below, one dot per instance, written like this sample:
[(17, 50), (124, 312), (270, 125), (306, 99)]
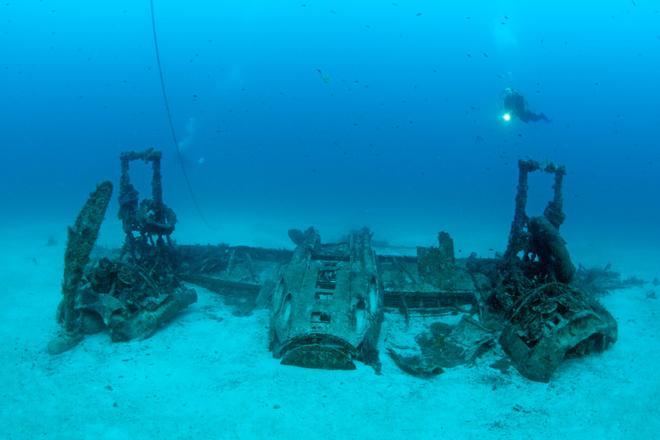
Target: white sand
[(204, 378)]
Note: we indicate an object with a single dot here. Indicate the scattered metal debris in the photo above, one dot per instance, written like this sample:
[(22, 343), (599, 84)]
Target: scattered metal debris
[(443, 346), (328, 300)]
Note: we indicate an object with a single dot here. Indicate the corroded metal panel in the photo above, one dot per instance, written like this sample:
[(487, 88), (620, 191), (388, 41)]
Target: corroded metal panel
[(326, 305)]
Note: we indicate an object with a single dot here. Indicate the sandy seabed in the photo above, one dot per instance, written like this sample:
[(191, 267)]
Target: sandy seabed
[(209, 375)]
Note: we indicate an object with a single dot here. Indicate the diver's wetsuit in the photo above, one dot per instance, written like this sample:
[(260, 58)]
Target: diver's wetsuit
[(514, 103)]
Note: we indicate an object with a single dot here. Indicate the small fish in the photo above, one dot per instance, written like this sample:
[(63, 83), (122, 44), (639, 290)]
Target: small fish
[(419, 14), (324, 77)]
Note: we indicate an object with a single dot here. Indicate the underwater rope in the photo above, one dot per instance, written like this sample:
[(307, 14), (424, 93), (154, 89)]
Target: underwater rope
[(166, 100)]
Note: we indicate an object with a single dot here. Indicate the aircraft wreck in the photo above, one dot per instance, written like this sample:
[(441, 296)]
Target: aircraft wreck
[(332, 304), (130, 294)]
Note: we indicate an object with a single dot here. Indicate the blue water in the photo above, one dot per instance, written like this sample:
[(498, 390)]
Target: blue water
[(338, 113)]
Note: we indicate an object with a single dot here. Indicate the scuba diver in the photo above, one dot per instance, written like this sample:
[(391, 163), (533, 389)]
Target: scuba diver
[(515, 105)]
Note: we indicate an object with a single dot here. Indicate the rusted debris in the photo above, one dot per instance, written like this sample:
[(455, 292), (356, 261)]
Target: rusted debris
[(134, 294), (431, 286), (441, 346), (547, 320), (81, 239), (552, 323), (525, 294), (130, 299), (429, 283), (508, 295), (537, 239), (326, 306), (243, 275), (148, 222), (327, 301)]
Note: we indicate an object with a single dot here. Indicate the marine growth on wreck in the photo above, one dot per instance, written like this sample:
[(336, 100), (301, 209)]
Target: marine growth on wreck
[(332, 304)]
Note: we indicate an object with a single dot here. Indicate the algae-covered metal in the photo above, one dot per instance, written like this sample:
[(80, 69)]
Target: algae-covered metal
[(547, 319), (81, 239), (326, 305), (327, 300), (553, 323), (130, 295)]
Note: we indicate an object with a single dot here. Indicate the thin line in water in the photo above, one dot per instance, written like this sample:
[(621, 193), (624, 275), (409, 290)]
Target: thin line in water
[(168, 112)]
